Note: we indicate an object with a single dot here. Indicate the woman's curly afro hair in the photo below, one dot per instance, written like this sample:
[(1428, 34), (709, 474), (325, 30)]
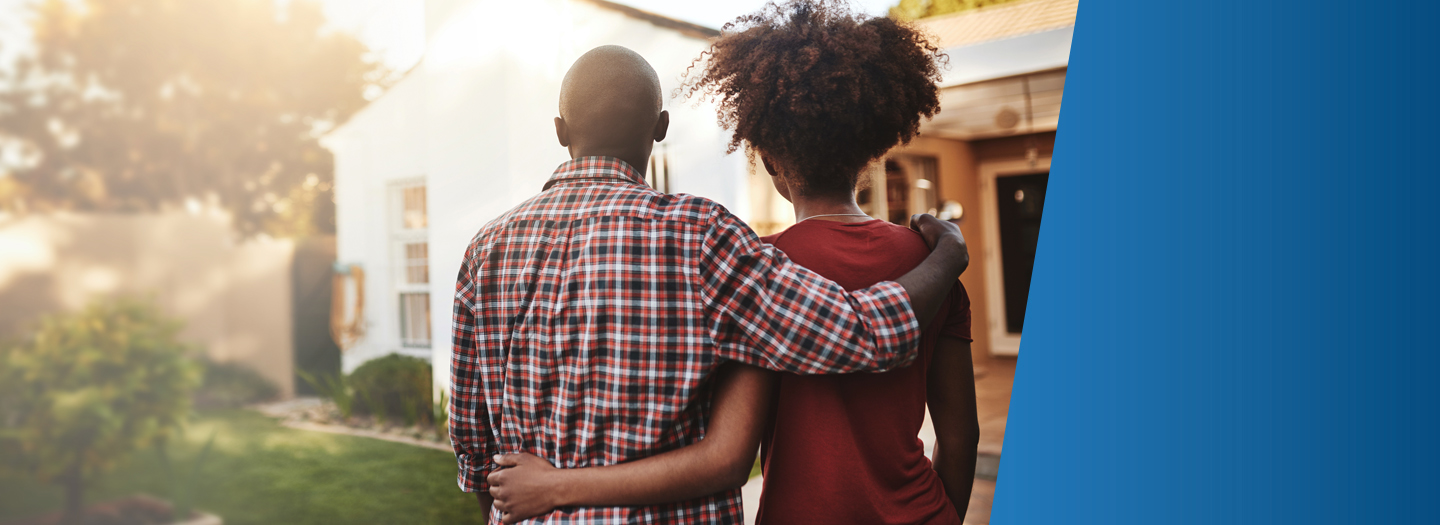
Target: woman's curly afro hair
[(819, 90)]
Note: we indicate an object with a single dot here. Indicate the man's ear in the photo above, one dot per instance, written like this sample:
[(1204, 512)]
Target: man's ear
[(562, 132), (662, 126)]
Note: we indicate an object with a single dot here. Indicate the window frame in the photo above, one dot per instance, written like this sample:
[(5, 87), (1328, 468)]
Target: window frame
[(408, 340), (401, 236)]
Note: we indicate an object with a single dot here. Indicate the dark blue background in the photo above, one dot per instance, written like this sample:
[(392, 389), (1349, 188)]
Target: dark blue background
[(1232, 317)]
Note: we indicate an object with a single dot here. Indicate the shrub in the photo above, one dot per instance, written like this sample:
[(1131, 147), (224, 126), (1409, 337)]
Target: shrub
[(335, 388), (394, 387), (91, 387), (230, 385)]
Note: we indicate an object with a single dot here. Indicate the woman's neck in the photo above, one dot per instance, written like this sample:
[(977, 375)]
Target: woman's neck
[(837, 209)]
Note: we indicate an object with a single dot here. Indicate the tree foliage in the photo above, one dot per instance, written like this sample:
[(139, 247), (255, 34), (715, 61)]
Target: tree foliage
[(917, 9), (91, 387), (135, 105)]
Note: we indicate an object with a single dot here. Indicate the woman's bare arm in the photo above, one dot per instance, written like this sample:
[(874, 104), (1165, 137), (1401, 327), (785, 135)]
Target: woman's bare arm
[(530, 486), (485, 501), (951, 396)]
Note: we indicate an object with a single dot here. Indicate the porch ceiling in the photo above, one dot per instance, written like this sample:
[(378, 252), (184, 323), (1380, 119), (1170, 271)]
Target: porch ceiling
[(1015, 105)]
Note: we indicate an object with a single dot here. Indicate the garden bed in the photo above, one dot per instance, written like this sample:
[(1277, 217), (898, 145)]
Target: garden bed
[(318, 415)]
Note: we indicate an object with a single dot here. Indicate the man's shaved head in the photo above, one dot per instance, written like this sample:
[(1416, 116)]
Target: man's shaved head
[(610, 101)]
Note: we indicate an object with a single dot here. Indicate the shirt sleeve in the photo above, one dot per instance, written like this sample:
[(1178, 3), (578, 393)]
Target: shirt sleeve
[(767, 311), (470, 432), (957, 319)]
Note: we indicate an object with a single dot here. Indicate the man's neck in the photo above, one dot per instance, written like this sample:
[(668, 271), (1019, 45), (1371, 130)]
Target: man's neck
[(639, 160)]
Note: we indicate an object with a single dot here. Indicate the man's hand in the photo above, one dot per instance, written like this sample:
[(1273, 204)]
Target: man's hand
[(929, 283), (936, 231), (525, 486)]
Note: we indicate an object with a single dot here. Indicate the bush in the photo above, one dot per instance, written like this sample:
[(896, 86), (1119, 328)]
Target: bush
[(90, 388), (393, 387), (230, 385)]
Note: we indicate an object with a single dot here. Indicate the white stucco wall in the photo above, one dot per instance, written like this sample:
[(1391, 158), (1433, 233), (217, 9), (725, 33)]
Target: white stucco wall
[(475, 119), (382, 144)]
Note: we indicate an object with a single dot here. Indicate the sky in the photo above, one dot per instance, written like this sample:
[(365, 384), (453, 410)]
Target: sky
[(395, 29), (13, 31)]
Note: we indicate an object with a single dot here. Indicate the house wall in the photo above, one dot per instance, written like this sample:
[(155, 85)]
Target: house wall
[(959, 166), (381, 145), (232, 294)]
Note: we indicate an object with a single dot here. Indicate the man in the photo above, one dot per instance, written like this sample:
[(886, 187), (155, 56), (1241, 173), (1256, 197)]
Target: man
[(588, 319)]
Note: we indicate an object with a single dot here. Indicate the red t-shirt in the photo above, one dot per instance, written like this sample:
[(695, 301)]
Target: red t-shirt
[(844, 448)]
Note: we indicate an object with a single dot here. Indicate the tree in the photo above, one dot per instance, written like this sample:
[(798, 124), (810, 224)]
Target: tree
[(137, 105), (917, 9), (90, 388)]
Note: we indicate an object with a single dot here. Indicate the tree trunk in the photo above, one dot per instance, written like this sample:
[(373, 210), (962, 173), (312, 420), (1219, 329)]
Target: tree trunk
[(74, 495)]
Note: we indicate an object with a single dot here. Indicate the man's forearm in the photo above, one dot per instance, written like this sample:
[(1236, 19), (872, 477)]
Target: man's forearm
[(930, 282)]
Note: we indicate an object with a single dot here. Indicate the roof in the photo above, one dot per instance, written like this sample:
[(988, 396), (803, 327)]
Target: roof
[(695, 30), (999, 22)]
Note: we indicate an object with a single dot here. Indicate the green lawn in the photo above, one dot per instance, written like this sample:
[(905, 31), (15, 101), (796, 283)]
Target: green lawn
[(262, 473)]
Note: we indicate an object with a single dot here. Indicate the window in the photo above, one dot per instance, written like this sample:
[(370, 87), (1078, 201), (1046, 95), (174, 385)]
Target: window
[(412, 206), (415, 319), (410, 261), (907, 185), (417, 263)]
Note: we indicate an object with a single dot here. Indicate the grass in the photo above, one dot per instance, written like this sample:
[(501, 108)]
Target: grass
[(259, 472)]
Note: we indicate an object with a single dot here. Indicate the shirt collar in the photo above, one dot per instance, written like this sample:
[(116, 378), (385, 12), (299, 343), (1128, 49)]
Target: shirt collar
[(597, 168)]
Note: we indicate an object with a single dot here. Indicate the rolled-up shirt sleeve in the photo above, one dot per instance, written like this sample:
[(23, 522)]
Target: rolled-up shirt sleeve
[(470, 432), (767, 311)]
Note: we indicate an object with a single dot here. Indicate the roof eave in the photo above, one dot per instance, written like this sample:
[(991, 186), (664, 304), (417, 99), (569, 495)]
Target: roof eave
[(687, 28)]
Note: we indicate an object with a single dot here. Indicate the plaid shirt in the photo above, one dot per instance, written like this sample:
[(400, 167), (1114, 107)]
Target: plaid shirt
[(589, 319)]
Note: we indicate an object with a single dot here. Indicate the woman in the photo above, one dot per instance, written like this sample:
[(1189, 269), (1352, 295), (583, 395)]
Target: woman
[(818, 94)]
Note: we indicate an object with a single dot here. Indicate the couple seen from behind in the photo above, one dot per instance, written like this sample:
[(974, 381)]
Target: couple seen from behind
[(620, 353)]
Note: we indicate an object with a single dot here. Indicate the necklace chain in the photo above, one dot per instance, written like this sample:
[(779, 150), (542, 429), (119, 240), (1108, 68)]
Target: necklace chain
[(835, 215)]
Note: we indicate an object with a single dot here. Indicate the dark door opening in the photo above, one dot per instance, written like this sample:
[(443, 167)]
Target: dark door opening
[(315, 350), (1021, 199)]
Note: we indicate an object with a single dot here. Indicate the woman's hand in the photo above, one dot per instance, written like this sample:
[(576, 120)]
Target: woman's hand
[(524, 487)]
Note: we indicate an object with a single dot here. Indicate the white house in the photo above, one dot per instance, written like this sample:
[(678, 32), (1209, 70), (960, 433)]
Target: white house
[(468, 134)]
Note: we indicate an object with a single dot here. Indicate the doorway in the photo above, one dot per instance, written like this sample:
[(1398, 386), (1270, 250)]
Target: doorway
[(315, 350), (1019, 202), (1014, 200)]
